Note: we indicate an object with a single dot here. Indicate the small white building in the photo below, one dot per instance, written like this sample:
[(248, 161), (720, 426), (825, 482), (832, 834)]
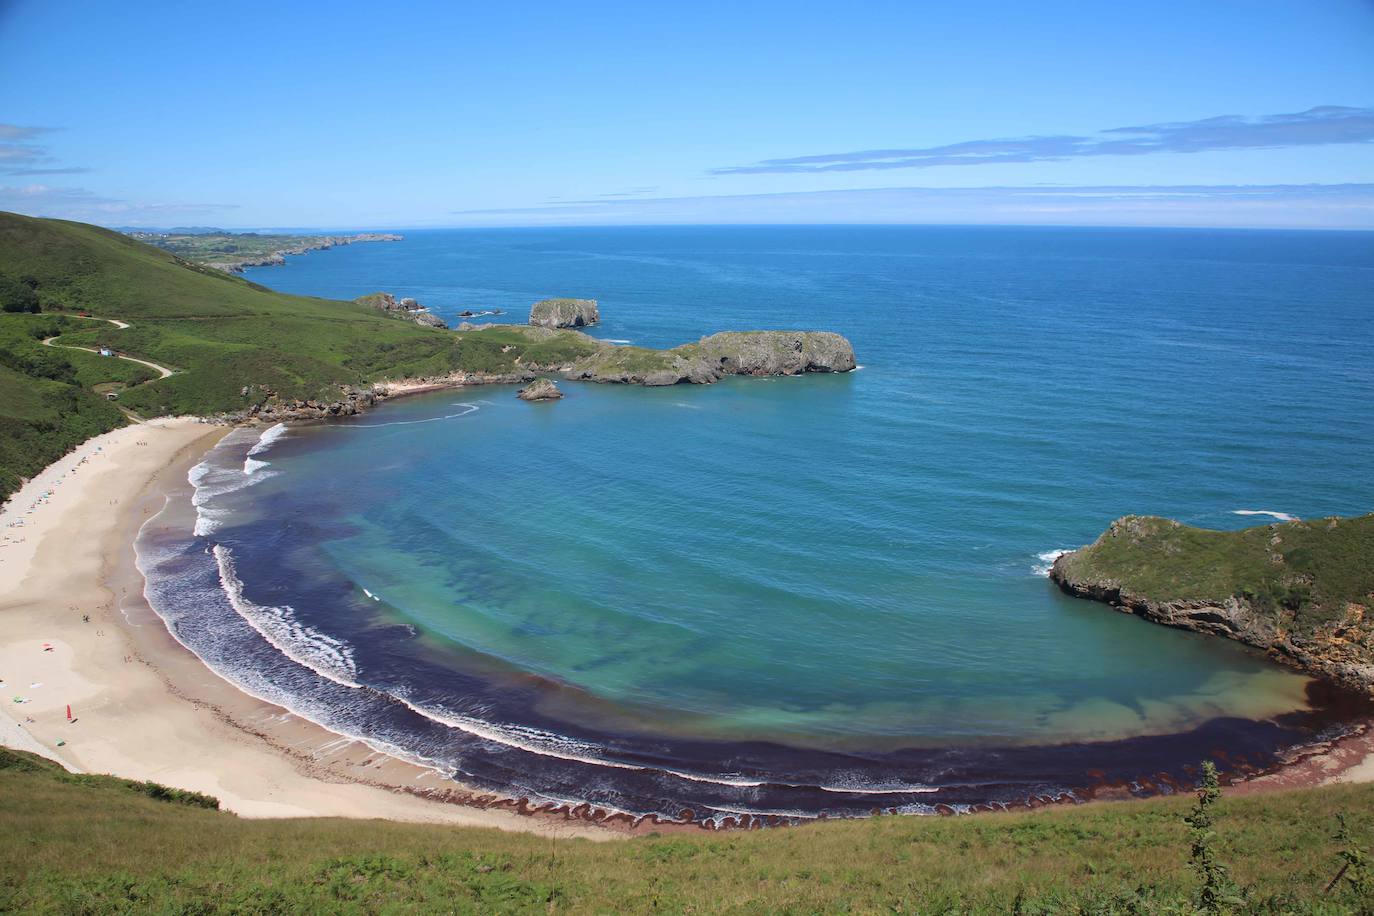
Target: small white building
[(106, 351)]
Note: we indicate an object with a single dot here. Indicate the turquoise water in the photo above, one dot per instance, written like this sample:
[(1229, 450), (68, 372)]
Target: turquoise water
[(848, 566)]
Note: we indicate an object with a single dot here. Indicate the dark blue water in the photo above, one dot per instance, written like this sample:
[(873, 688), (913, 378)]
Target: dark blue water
[(830, 581)]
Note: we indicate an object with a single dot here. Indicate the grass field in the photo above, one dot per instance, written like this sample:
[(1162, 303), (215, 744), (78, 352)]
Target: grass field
[(229, 249), (96, 845)]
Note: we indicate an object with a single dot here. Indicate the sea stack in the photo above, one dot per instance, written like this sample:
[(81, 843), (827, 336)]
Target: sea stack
[(564, 313), (541, 389)]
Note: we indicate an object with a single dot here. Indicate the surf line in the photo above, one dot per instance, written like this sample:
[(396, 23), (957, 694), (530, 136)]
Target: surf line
[(471, 408)]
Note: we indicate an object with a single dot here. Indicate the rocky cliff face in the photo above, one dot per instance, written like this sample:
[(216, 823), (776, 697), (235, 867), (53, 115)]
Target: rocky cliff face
[(351, 401), (403, 308), (540, 390), (719, 355), (1299, 591), (564, 313)]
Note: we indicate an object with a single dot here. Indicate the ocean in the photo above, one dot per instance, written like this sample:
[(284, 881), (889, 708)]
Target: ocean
[(769, 599)]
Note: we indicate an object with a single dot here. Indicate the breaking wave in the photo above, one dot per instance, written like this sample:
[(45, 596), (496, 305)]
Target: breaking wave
[(470, 408), (326, 656), (1281, 516), (252, 465), (1047, 559), (212, 479)]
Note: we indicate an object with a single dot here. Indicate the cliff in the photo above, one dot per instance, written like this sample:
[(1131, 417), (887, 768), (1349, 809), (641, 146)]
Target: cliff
[(1298, 590), (402, 308), (232, 252), (719, 355), (564, 313)]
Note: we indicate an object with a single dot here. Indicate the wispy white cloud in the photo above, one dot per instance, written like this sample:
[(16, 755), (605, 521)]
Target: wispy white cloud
[(1349, 206), (87, 206), (1323, 125), (21, 155)]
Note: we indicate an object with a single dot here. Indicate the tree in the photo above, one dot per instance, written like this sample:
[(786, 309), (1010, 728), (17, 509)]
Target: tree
[(17, 296), (1218, 893)]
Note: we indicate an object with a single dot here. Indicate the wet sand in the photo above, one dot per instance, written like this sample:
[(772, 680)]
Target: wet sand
[(78, 632)]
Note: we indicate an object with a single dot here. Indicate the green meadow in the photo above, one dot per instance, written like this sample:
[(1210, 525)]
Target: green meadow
[(90, 844)]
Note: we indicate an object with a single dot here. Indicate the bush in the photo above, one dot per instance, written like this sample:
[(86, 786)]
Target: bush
[(17, 296)]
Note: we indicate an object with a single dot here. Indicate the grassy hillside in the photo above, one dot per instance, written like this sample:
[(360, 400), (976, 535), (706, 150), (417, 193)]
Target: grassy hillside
[(1309, 571), (220, 333), (48, 404), (97, 845)]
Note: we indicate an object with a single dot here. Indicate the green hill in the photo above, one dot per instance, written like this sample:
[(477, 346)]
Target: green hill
[(91, 844), (230, 343), (232, 346), (1300, 590)]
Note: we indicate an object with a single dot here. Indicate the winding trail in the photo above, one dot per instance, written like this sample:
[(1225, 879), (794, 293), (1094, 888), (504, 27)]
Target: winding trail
[(162, 371)]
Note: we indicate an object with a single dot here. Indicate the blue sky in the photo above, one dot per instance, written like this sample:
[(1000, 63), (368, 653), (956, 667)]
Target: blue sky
[(353, 114)]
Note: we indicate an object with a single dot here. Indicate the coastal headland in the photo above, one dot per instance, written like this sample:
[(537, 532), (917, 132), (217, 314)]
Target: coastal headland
[(233, 252), (1300, 590), (237, 350)]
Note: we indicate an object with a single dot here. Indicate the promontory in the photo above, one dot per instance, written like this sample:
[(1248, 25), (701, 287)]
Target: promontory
[(1300, 590)]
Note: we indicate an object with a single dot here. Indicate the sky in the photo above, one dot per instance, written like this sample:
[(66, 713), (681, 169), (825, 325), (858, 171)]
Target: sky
[(1254, 113)]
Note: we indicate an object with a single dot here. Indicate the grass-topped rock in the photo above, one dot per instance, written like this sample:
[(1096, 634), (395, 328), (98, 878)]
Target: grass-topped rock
[(719, 355), (564, 313), (541, 389), (1299, 590), (240, 351)]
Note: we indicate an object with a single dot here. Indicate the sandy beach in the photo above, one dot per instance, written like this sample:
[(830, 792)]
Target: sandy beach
[(78, 634)]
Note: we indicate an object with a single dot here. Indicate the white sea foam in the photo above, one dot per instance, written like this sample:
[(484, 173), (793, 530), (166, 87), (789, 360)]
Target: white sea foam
[(1047, 560), (470, 408), (270, 435), (212, 479), (1281, 516), (615, 340), (328, 657)]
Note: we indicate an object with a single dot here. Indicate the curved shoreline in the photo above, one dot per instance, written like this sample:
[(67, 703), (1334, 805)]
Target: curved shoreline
[(144, 707), (125, 710)]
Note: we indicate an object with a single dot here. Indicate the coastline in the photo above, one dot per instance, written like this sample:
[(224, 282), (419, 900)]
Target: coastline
[(146, 708), (143, 706)]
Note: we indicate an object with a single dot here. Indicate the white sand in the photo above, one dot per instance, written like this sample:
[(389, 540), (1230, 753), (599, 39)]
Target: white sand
[(64, 545)]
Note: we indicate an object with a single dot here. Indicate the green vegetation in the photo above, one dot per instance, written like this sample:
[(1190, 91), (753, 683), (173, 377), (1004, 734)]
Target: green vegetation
[(232, 250), (22, 762), (46, 405), (97, 845), (17, 296), (232, 344), (1302, 574)]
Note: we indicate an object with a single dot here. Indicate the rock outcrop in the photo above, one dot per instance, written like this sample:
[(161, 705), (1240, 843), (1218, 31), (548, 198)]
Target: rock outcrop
[(540, 389), (758, 353), (404, 308), (1300, 591), (428, 320), (352, 400), (564, 313)]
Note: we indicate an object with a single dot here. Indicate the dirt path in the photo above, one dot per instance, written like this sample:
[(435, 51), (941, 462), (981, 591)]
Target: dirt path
[(162, 371)]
